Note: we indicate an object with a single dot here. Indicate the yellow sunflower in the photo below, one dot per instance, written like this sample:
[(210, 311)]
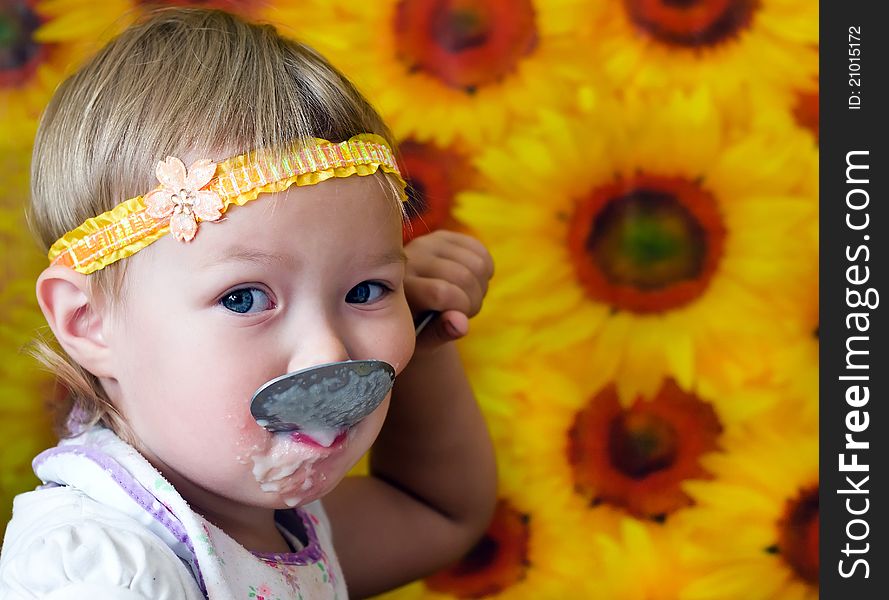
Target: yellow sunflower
[(40, 44), (525, 553), (77, 24), (636, 458), (435, 175), (792, 366), (767, 479), (25, 433), (494, 358), (728, 45), (612, 477), (806, 109), (640, 562), (650, 241), (30, 68), (448, 70), (585, 452), (43, 41), (793, 110), (24, 425)]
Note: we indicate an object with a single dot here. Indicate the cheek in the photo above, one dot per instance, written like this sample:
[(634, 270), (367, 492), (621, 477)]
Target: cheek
[(247, 438), (399, 346), (404, 356), (167, 372), (371, 425)]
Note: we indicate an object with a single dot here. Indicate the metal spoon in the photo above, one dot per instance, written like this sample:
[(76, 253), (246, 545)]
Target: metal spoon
[(324, 400)]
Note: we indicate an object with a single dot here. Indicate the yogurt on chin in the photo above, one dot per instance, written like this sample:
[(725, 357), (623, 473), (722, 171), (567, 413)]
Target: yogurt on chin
[(285, 466)]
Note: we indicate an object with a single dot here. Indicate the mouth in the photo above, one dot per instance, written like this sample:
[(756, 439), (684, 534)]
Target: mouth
[(326, 439)]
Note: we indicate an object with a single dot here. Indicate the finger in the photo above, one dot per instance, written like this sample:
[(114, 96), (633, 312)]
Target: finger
[(450, 244), (480, 266), (460, 275), (473, 253), (448, 326), (428, 293), (454, 324), (461, 239)]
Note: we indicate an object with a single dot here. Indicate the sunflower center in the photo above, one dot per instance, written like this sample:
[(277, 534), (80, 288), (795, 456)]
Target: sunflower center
[(636, 458), (19, 53), (640, 444), (464, 43), (798, 534), (416, 195), (647, 239), (457, 28), (480, 557), (805, 111), (434, 175), (498, 561), (649, 244), (692, 23)]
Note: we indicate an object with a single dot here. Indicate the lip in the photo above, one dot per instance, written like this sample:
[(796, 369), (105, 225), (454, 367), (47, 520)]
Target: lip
[(302, 438)]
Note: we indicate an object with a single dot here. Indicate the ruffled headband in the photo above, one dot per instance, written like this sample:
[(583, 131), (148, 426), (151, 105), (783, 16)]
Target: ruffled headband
[(205, 190)]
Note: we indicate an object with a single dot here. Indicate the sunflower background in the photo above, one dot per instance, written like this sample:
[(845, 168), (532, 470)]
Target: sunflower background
[(645, 174)]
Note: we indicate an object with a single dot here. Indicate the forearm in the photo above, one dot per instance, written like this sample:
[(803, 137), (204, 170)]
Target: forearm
[(435, 444)]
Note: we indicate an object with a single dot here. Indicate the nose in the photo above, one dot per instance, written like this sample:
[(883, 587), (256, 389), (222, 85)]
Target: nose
[(316, 343)]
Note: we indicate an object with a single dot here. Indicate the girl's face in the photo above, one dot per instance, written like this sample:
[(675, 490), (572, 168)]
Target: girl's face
[(309, 276)]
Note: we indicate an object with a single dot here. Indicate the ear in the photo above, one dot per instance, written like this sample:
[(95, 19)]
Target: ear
[(75, 317)]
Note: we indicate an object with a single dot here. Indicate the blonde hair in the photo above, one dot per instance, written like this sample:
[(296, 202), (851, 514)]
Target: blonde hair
[(181, 82)]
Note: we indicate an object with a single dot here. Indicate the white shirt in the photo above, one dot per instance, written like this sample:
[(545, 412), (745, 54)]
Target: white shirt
[(106, 524)]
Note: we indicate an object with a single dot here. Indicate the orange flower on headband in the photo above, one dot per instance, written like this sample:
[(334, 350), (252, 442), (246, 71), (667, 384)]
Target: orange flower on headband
[(182, 197)]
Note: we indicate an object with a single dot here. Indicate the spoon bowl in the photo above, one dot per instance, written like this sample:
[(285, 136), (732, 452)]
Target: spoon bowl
[(330, 396), (324, 400)]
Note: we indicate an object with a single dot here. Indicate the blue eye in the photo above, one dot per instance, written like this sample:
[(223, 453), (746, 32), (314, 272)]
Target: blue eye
[(245, 299), (363, 293)]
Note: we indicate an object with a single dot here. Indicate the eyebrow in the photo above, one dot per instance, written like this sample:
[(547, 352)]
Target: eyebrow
[(385, 258), (253, 255), (250, 255)]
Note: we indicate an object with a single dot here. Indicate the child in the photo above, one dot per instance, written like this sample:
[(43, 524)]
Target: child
[(204, 238)]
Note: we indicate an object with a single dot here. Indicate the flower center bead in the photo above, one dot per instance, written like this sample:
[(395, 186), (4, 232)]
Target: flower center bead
[(19, 53), (498, 560), (798, 534), (184, 200), (636, 458), (464, 43), (648, 244), (691, 23)]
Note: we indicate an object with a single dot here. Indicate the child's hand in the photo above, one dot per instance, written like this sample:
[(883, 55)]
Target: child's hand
[(447, 272)]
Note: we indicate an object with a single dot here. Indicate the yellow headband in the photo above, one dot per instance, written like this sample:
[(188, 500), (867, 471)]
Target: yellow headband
[(205, 190)]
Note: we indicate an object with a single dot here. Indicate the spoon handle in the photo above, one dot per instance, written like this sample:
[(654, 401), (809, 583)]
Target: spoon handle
[(421, 321)]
